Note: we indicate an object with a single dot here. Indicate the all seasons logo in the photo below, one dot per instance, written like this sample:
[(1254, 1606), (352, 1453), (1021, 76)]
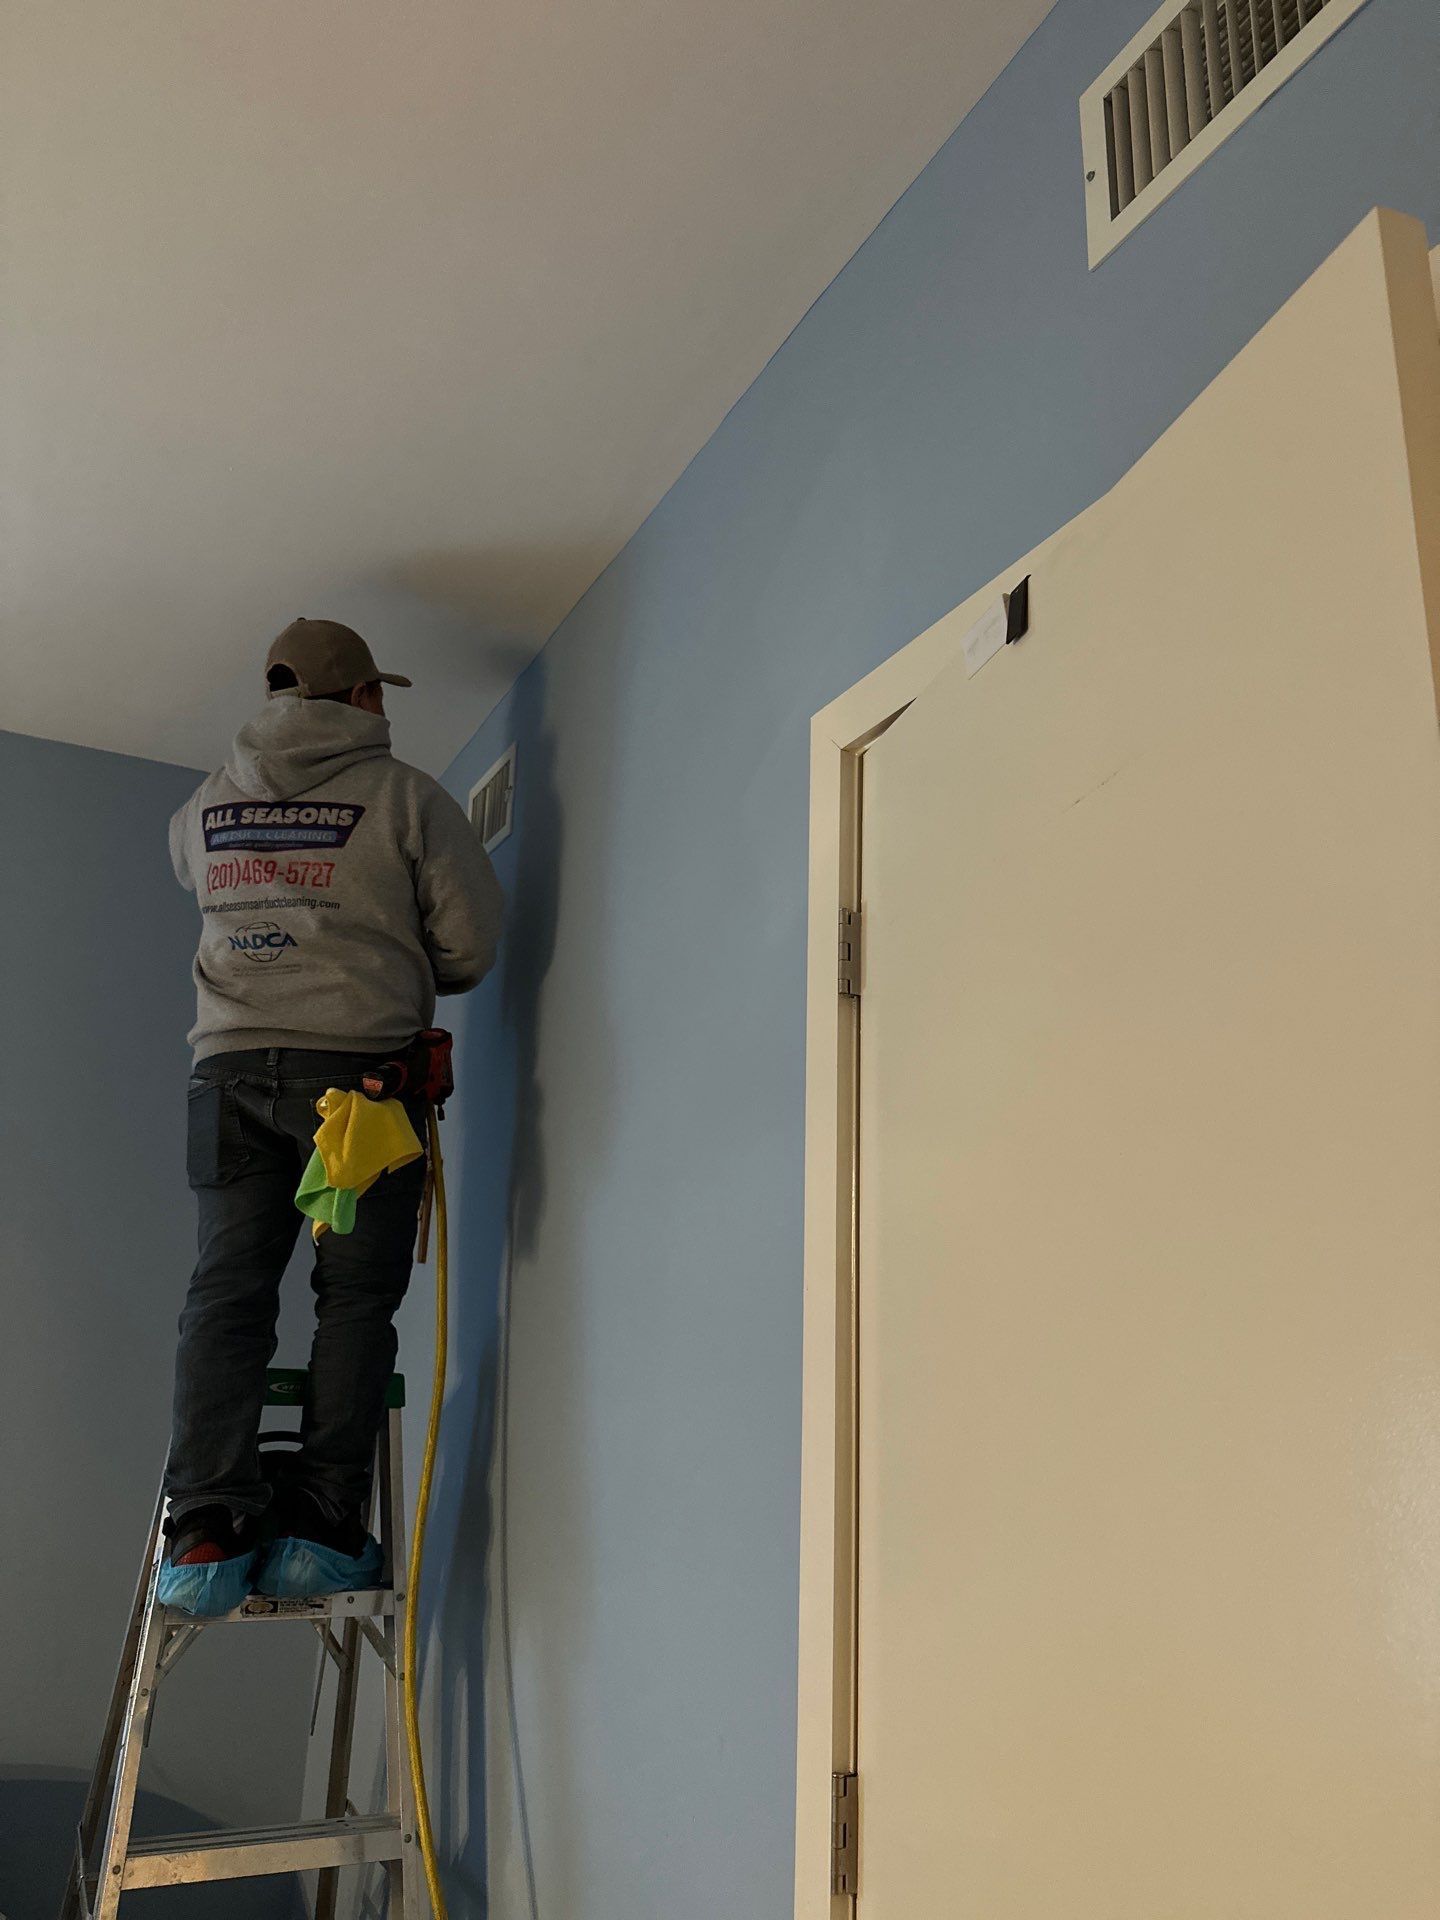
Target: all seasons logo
[(262, 940), (261, 827)]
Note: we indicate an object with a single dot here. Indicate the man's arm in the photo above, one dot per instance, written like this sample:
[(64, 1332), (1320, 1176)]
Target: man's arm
[(179, 827), (460, 899)]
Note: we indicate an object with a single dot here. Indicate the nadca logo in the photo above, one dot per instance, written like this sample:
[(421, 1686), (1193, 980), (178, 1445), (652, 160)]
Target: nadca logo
[(262, 940)]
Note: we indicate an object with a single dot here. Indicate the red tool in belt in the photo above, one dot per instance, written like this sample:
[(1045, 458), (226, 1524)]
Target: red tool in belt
[(424, 1072)]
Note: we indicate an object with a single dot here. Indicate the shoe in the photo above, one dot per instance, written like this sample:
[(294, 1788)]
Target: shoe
[(312, 1554), (210, 1564)]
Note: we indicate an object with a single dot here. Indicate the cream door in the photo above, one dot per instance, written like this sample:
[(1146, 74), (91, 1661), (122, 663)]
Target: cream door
[(1149, 1175)]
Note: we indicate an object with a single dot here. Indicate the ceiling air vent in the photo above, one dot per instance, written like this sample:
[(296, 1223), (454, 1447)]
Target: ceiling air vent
[(1184, 83), (492, 802)]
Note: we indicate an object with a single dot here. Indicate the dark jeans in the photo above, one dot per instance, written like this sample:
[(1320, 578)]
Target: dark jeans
[(251, 1131)]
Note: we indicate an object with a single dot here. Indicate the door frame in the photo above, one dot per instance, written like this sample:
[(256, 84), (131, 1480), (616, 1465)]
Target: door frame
[(826, 1717), (840, 733)]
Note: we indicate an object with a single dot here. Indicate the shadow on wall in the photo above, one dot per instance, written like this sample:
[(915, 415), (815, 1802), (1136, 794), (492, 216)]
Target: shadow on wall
[(38, 1816), (501, 1188), (501, 1135)]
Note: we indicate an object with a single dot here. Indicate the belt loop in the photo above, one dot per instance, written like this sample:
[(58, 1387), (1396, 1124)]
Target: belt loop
[(272, 1060)]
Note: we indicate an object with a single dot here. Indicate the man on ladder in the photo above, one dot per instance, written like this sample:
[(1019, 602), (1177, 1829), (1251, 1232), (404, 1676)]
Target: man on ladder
[(340, 891)]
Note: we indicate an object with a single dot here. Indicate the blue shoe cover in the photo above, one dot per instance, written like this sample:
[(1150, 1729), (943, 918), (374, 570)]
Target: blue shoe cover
[(207, 1591), (302, 1569)]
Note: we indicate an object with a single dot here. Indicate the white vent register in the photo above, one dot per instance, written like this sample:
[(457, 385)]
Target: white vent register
[(492, 802), (1184, 83)]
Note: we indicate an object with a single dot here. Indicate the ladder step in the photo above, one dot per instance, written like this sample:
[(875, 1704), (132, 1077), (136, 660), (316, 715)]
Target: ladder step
[(191, 1859), (363, 1602)]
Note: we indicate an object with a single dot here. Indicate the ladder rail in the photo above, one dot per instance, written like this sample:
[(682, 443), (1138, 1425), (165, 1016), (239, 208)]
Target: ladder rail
[(342, 1736), (103, 1771), (337, 1783), (132, 1746), (399, 1788)]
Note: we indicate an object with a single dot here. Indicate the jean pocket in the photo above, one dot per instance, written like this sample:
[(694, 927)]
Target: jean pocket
[(216, 1150)]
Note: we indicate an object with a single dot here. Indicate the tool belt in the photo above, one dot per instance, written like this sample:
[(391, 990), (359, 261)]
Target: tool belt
[(424, 1071)]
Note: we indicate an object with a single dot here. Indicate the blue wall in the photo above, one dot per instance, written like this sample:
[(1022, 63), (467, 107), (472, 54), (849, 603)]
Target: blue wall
[(96, 941), (634, 1087)]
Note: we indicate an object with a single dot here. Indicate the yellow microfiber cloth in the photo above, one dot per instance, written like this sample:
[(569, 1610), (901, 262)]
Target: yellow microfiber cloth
[(357, 1140)]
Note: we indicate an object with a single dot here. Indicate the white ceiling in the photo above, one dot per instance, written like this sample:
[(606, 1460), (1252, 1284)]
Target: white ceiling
[(404, 314)]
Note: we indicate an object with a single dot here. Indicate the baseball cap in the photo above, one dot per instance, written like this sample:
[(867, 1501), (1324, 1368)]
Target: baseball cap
[(326, 658)]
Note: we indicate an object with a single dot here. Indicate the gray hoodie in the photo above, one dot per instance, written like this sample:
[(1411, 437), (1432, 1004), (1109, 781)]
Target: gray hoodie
[(340, 890)]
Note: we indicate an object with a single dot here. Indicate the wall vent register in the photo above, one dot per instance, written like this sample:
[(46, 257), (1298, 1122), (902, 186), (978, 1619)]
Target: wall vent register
[(1187, 80), (492, 802)]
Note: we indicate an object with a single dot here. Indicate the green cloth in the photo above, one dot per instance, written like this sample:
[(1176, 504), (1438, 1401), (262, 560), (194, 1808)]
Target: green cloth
[(334, 1206)]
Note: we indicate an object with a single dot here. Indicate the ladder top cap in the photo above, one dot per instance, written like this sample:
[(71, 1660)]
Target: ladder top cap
[(289, 1386)]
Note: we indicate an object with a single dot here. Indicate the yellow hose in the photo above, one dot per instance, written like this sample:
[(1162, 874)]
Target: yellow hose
[(417, 1542)]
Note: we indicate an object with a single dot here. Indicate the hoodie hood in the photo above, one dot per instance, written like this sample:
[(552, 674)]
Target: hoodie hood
[(293, 745)]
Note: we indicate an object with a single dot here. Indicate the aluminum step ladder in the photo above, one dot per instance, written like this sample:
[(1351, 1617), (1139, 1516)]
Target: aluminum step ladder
[(110, 1862)]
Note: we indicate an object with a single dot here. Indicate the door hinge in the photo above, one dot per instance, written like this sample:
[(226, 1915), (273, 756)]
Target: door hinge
[(849, 952), (844, 1833)]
